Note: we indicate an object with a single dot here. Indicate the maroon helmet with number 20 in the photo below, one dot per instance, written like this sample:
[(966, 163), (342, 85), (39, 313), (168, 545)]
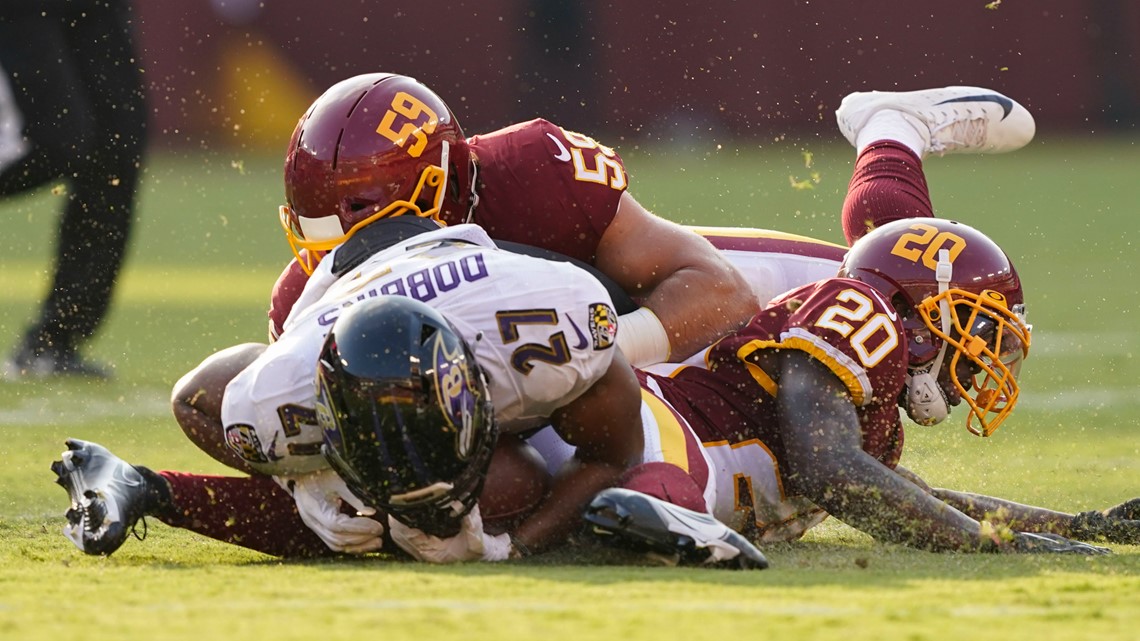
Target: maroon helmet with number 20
[(961, 305), (372, 146)]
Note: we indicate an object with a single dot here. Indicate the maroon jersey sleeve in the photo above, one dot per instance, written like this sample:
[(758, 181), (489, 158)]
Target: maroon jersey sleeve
[(851, 329), (285, 293), (544, 186), (843, 324)]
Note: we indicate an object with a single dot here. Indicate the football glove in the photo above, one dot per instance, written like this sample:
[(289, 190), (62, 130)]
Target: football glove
[(1034, 543), (471, 544), (1119, 524), (319, 497)]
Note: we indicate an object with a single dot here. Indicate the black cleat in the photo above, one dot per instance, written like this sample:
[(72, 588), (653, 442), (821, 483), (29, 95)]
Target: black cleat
[(30, 364), (644, 522), (108, 496)]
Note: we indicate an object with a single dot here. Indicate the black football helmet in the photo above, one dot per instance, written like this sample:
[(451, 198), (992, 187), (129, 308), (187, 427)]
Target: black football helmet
[(407, 419)]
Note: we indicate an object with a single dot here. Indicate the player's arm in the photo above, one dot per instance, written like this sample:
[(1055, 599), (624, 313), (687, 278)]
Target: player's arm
[(693, 290), (197, 401), (605, 425), (1117, 524), (828, 465)]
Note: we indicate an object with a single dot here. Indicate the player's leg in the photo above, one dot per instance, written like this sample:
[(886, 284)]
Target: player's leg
[(47, 103), (253, 512), (943, 120), (647, 522), (892, 133), (48, 106), (110, 496), (663, 503), (96, 223), (78, 90)]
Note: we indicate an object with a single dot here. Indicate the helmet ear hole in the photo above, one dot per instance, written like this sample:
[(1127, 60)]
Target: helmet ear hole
[(904, 310)]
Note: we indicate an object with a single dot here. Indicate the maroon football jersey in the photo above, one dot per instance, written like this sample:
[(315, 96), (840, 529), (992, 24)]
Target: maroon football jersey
[(844, 324), (537, 184)]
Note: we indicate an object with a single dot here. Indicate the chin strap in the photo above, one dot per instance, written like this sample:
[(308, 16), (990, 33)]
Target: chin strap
[(474, 191), (926, 402)]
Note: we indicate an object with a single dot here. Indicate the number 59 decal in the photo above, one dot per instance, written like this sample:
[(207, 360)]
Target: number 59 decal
[(586, 151), (414, 111)]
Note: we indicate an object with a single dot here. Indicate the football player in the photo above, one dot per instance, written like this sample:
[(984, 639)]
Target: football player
[(383, 145), (197, 505), (798, 411), (433, 328)]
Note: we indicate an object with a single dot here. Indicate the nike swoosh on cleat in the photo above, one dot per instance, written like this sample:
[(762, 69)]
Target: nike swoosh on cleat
[(1006, 103)]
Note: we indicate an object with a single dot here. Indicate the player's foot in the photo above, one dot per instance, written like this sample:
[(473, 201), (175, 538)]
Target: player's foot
[(638, 520), (29, 363), (108, 496), (962, 120)]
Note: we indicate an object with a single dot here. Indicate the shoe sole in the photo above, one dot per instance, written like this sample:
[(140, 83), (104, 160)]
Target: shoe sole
[(88, 505), (636, 523)]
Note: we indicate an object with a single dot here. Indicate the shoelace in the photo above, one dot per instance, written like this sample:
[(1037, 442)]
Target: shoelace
[(135, 529), (957, 133)]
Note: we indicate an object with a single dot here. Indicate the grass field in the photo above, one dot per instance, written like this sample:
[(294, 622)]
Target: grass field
[(208, 247)]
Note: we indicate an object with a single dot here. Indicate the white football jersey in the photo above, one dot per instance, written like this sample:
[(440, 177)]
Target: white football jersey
[(543, 332)]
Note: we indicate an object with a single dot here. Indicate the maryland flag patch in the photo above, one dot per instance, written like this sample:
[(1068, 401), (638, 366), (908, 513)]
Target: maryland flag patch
[(242, 439), (603, 325)]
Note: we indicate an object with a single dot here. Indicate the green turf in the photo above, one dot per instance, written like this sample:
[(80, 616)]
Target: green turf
[(208, 247)]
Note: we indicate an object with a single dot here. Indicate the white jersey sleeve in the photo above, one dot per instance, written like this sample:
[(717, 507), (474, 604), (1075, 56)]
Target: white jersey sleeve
[(268, 408)]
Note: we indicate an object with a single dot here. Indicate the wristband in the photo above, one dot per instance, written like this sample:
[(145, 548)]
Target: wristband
[(642, 338)]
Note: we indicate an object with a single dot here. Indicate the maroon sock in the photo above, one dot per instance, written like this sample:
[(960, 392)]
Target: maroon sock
[(250, 511), (887, 184), (666, 482)]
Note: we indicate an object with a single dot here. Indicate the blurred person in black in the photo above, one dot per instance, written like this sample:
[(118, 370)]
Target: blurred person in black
[(72, 110)]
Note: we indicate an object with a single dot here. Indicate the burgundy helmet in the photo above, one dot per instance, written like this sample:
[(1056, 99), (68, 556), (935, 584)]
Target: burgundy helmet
[(960, 298), (372, 146)]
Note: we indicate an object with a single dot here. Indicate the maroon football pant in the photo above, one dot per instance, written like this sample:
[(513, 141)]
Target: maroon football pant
[(250, 511), (887, 184)]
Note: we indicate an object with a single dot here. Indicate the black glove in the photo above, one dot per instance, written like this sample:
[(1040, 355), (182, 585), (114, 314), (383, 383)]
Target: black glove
[(1027, 542), (1119, 524)]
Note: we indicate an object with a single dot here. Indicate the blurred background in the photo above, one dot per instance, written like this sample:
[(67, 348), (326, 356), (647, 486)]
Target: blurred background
[(240, 72), (724, 115)]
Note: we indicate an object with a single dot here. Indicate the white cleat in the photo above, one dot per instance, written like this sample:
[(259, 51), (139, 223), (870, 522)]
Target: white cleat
[(640, 521), (951, 120)]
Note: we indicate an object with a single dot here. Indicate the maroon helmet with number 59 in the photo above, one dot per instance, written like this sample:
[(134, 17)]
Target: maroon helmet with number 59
[(962, 309), (372, 146)]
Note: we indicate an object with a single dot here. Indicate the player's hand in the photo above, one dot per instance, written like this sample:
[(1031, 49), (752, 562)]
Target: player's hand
[(1118, 524), (471, 544), (319, 497), (1034, 543)]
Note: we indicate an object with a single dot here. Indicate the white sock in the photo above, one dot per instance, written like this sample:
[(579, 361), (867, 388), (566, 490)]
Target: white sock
[(890, 124)]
